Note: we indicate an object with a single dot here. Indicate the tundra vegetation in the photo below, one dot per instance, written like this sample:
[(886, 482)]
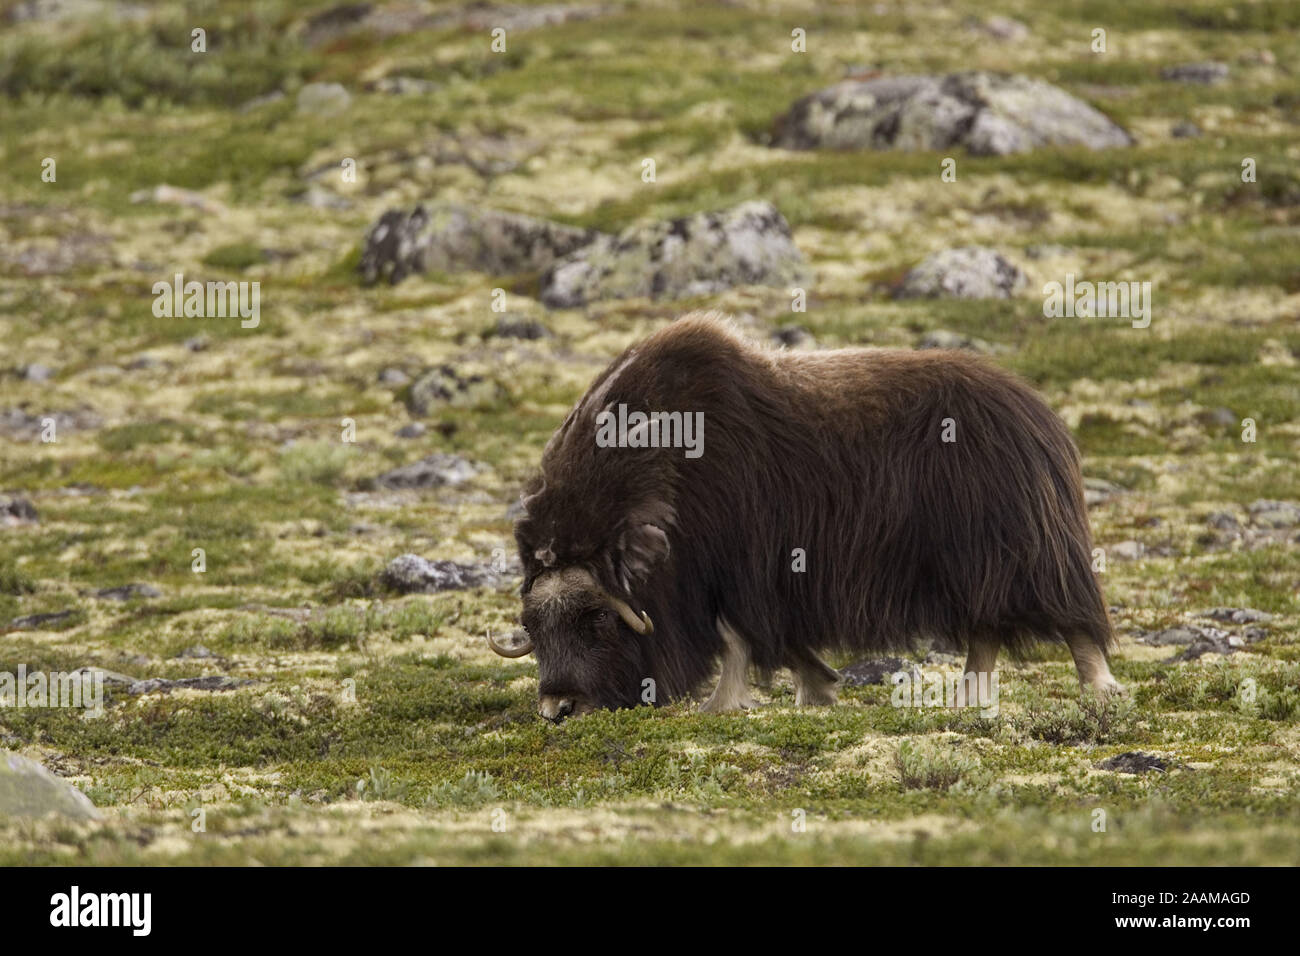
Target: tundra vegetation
[(363, 724)]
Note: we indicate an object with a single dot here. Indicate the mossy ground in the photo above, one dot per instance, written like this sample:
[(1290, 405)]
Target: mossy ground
[(440, 757)]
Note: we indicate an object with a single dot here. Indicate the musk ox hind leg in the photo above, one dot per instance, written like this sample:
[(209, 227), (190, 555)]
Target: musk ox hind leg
[(815, 684), (976, 688), (1090, 661), (732, 692)]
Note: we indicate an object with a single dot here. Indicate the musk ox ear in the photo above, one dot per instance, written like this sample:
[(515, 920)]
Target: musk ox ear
[(640, 549)]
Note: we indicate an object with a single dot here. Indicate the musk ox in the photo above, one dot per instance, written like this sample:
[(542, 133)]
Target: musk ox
[(711, 498)]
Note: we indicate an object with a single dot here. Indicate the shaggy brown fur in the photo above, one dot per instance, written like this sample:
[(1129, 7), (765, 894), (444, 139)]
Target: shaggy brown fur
[(839, 453)]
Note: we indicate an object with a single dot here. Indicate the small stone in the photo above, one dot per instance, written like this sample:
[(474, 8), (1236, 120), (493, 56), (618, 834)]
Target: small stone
[(1179, 636), (520, 327), (127, 592), (1203, 73), (1134, 762), (1223, 521), (323, 99), (436, 471), (943, 339), (1274, 514), (36, 622), (794, 337), (16, 511), (164, 194), (35, 372), (1126, 550), (410, 573), (394, 377), (1238, 615), (969, 272), (445, 386), (877, 671), (198, 652), (412, 430), (1185, 130)]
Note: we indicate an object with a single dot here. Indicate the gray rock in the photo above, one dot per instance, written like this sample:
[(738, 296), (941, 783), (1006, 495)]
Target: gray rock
[(35, 622), (410, 573), (1134, 762), (969, 272), (520, 327), (987, 113), (943, 339), (1099, 490), (444, 386), (436, 471), (703, 254), (412, 430), (1172, 636), (451, 238), (405, 86), (1003, 28), (877, 671), (36, 372), (1185, 130), (29, 790), (1220, 417), (199, 652), (1203, 73), (1238, 615), (316, 196), (1274, 514), (323, 99), (17, 511), (128, 592), (111, 679), (794, 337), (214, 682), (1126, 550), (394, 377), (1223, 521)]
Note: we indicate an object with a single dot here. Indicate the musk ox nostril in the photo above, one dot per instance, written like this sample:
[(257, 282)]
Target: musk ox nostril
[(555, 708)]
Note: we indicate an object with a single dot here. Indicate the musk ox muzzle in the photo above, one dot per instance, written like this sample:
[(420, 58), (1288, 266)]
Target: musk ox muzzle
[(853, 500)]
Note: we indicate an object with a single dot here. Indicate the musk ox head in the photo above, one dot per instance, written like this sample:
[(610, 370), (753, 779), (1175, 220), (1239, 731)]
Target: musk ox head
[(581, 619)]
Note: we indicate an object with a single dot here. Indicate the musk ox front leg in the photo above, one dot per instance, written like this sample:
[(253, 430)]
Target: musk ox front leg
[(815, 684), (1090, 661), (732, 692), (975, 689)]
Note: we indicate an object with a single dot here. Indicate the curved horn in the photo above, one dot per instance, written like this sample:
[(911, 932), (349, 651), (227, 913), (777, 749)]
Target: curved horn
[(506, 650), (641, 624)]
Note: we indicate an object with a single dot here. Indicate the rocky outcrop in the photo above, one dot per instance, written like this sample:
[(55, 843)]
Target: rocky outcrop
[(971, 272), (453, 238), (702, 254), (988, 114)]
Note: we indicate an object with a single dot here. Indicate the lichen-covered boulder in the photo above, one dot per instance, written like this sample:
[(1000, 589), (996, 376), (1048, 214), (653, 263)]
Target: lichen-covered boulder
[(969, 272), (29, 790), (986, 113), (749, 244), (453, 238)]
